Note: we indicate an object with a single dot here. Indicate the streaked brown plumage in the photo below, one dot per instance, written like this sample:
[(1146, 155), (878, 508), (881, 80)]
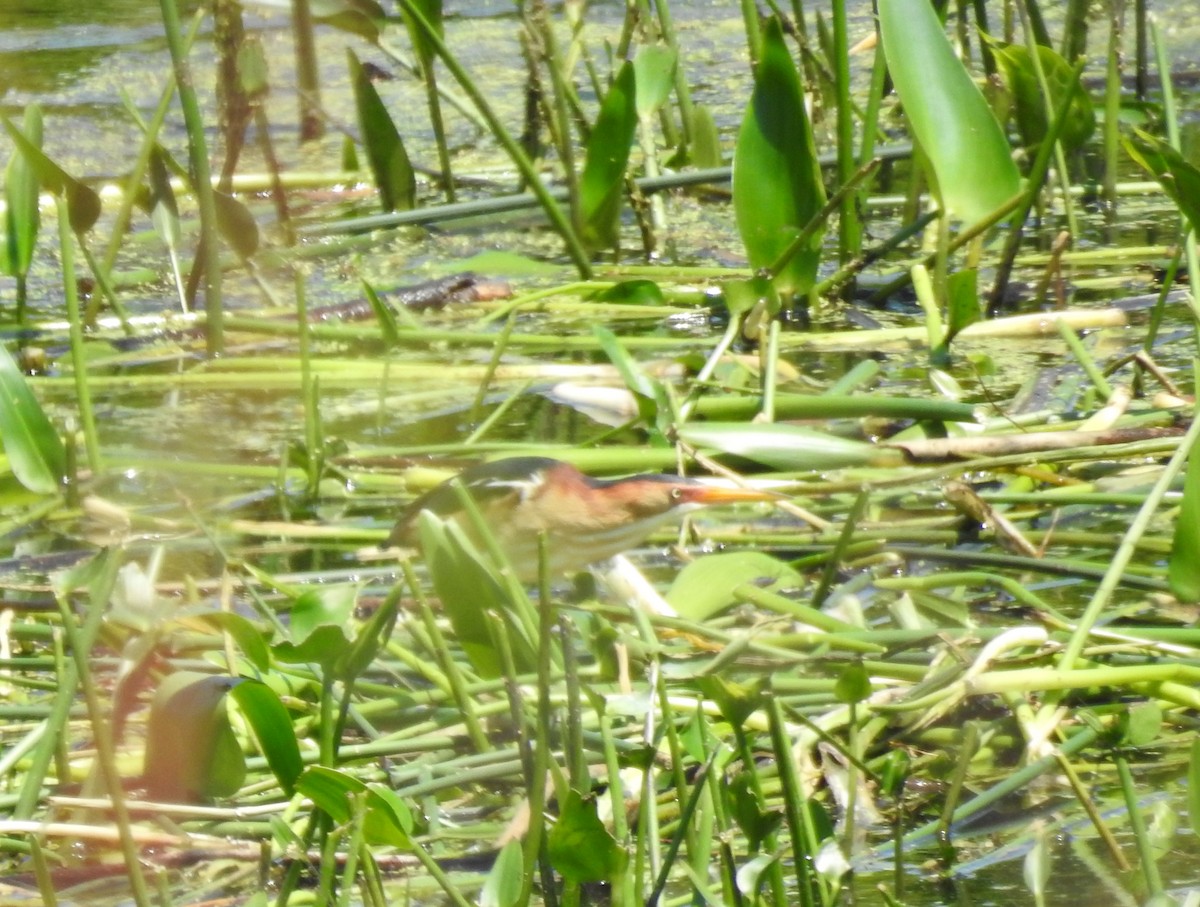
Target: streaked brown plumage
[(585, 519)]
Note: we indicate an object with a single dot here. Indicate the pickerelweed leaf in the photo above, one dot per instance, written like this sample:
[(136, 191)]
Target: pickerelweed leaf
[(785, 447), (1016, 68), (579, 845), (705, 150), (947, 114), (602, 183), (654, 75), (777, 186), (236, 224), (394, 175), (273, 730), (502, 887), (386, 818), (247, 636), (1178, 177), (21, 215), (83, 204), (191, 752), (33, 447), (468, 592), (706, 585)]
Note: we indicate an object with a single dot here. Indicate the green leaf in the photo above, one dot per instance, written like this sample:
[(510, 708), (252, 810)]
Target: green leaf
[(273, 730), (747, 809), (736, 701), (947, 114), (83, 204), (650, 395), (1183, 563), (386, 818), (1139, 725), (319, 621), (505, 880), (394, 176), (964, 309), (164, 212), (191, 751), (777, 186), (785, 447), (705, 151), (602, 182), (247, 636), (431, 11), (21, 215), (706, 585), (469, 591), (1016, 68), (579, 845), (654, 76), (1180, 179), (236, 224), (632, 292), (853, 683), (34, 449)]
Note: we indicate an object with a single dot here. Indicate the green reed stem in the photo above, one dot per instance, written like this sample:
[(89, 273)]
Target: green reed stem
[(79, 365), (849, 226), (201, 178), (79, 640), (557, 218)]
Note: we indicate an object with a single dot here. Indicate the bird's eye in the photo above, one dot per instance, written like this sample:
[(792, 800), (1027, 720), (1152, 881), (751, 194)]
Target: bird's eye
[(676, 494)]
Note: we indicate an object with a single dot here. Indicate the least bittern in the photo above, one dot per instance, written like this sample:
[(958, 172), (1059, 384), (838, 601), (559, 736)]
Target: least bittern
[(585, 519)]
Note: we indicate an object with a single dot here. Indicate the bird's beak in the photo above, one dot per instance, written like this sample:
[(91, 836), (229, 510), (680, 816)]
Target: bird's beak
[(728, 494)]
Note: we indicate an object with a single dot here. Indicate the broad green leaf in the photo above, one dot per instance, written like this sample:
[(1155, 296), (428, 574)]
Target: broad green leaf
[(777, 186), (83, 204), (1016, 67), (736, 701), (654, 76), (602, 182), (1140, 724), (273, 730), (963, 289), (191, 752), (632, 292), (34, 449), (1183, 564), (579, 845), (469, 592), (746, 807), (394, 176), (785, 447), (972, 164), (502, 887), (386, 818), (21, 215), (706, 585), (320, 621), (853, 683), (247, 636), (236, 224), (705, 150), (1180, 179)]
